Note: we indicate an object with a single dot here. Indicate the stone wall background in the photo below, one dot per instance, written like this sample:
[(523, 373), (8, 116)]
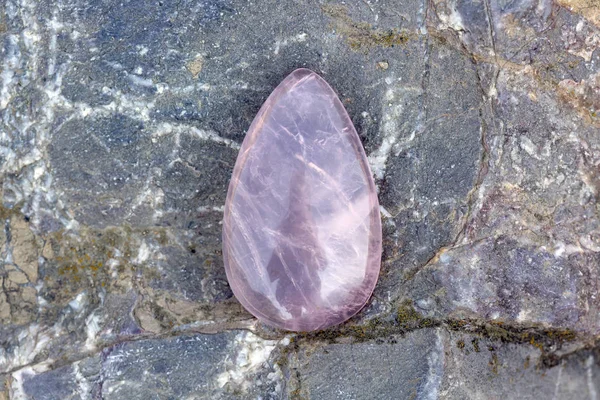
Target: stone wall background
[(120, 123)]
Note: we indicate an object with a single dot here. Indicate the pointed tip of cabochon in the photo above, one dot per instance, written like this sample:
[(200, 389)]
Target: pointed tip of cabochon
[(302, 72)]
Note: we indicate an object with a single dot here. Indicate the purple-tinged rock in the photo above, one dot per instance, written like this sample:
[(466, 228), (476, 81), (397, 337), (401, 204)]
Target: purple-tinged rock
[(302, 230)]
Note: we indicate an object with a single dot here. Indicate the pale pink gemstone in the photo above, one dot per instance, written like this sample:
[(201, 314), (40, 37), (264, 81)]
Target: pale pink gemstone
[(302, 231)]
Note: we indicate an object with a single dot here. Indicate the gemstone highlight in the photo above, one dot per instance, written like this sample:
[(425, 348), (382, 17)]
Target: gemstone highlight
[(301, 229)]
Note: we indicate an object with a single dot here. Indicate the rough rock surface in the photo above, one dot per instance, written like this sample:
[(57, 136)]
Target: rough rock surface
[(120, 122)]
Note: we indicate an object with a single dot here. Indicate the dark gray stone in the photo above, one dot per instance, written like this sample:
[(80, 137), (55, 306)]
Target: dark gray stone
[(430, 174), (58, 384), (99, 166), (221, 366), (476, 368), (438, 363), (165, 369), (402, 368), (118, 38), (503, 280)]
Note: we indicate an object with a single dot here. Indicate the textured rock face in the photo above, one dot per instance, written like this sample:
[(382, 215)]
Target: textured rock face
[(198, 367), (302, 230), (120, 124), (438, 364), (408, 367)]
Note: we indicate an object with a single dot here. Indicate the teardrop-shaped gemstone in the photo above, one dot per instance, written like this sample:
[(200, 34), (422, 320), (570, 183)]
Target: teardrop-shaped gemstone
[(302, 230)]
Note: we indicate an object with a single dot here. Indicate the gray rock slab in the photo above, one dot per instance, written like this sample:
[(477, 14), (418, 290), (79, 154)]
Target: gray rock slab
[(440, 364), (402, 368), (223, 366), (167, 369), (477, 368), (120, 122)]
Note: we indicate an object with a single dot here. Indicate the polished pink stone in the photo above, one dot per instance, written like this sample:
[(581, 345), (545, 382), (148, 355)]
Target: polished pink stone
[(302, 231)]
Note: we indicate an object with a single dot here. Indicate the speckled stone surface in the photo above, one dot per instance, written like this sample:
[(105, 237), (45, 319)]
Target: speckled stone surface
[(120, 124), (301, 226)]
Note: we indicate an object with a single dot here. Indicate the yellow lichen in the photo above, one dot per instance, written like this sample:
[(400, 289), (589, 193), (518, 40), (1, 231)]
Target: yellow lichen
[(589, 9), (361, 35)]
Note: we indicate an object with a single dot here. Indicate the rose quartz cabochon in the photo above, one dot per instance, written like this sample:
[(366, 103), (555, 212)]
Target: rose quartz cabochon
[(301, 230)]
